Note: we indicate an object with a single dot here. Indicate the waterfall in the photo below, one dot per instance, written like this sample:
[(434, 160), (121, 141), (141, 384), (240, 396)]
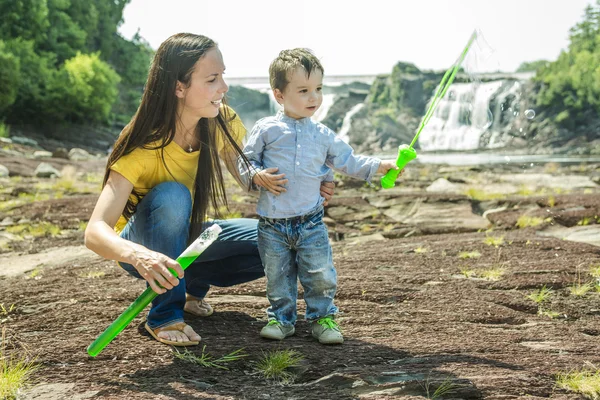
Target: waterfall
[(347, 122), (504, 111), (461, 117), (328, 100), (273, 104)]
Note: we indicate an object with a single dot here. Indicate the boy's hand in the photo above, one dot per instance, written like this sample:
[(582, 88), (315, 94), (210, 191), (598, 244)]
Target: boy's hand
[(386, 165), (268, 180)]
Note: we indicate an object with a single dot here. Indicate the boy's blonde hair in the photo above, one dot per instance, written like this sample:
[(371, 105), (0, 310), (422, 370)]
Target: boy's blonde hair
[(287, 62)]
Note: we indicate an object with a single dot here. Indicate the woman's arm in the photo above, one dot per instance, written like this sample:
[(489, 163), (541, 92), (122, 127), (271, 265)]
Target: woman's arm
[(230, 158), (101, 238)]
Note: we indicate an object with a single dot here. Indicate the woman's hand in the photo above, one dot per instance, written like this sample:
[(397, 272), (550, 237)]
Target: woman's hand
[(327, 189), (154, 268)]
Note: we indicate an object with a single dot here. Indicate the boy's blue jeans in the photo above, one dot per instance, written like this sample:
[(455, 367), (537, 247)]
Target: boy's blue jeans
[(161, 223), (297, 248)]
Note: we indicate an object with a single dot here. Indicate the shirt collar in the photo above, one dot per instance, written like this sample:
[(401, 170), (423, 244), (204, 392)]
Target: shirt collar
[(288, 120)]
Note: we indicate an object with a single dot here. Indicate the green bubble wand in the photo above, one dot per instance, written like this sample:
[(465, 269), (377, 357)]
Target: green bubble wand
[(185, 259), (407, 153)]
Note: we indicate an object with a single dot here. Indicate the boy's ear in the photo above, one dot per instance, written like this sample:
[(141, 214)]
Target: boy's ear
[(278, 95), (180, 90)]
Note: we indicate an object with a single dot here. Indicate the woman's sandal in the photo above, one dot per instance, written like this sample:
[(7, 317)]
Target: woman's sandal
[(178, 326)]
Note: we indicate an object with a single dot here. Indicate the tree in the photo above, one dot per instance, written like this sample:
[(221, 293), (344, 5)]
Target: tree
[(61, 61), (84, 90), (584, 35), (25, 19), (532, 66), (9, 73), (65, 37), (571, 84), (35, 72)]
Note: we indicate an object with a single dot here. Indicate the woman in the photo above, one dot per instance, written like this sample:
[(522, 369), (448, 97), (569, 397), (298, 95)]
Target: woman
[(162, 177)]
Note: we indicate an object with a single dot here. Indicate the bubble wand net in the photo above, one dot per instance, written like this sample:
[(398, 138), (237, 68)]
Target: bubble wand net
[(407, 153), (185, 259)]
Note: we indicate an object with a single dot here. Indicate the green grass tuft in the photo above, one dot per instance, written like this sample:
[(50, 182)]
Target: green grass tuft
[(15, 371), (206, 360), (275, 365), (585, 382)]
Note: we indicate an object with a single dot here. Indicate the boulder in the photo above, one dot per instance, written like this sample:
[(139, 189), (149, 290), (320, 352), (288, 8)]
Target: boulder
[(45, 170)]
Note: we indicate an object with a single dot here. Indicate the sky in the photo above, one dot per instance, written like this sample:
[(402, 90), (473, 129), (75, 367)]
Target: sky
[(353, 37)]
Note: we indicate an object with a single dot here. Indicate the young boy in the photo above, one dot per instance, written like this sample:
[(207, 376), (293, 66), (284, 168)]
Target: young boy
[(290, 155)]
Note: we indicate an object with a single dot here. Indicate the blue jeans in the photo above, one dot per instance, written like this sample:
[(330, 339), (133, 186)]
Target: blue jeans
[(292, 249), (161, 223)]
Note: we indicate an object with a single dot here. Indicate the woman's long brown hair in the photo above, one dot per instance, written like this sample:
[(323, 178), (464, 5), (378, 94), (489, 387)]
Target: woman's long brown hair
[(153, 125)]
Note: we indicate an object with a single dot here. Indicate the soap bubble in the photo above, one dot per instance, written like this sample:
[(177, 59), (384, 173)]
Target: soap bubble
[(530, 114), (480, 118)]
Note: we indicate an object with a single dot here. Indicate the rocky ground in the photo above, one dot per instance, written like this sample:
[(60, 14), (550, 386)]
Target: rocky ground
[(434, 283)]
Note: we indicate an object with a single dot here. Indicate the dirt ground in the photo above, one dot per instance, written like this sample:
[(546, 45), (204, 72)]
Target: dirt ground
[(416, 315)]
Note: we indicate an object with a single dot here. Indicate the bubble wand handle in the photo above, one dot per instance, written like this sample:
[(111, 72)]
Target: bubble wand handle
[(407, 153), (185, 259)]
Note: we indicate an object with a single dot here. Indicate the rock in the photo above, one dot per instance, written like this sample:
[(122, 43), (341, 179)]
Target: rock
[(567, 182), (494, 210), (366, 238), (583, 234), (444, 186), (438, 217), (45, 170), (61, 152), (77, 154), (21, 190), (57, 391), (7, 221), (41, 154), (3, 171), (10, 152), (25, 141)]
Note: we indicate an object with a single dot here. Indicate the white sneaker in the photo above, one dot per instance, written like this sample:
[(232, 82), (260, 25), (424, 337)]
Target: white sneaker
[(276, 331), (327, 331)]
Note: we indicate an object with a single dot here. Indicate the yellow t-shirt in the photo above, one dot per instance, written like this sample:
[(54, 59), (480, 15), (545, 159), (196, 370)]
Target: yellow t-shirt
[(145, 168)]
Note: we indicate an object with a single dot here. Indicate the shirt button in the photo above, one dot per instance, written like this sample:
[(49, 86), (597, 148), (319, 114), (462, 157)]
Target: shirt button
[(297, 162), (299, 130), (298, 145)]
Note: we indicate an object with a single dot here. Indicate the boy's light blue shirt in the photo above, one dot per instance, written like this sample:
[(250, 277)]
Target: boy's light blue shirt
[(305, 151)]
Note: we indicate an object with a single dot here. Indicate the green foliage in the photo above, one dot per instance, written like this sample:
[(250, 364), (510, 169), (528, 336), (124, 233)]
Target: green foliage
[(540, 296), (85, 89), (532, 65), (571, 84), (526, 221), (584, 381), (16, 371), (44, 74), (65, 37), (206, 360), (36, 70), (4, 130), (469, 254), (25, 19), (9, 73), (275, 365), (132, 60), (494, 241)]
